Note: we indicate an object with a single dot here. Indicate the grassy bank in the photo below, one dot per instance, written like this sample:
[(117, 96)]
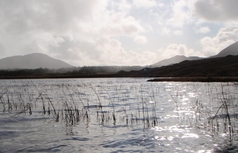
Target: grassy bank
[(196, 79)]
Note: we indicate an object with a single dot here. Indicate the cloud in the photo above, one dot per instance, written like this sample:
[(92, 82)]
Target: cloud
[(176, 15), (121, 5), (112, 53), (178, 32), (71, 31), (143, 58), (217, 10), (72, 50), (203, 30), (120, 24), (177, 49), (149, 28), (33, 25), (166, 30), (170, 31), (144, 3), (180, 13), (54, 15), (103, 32), (225, 37), (102, 51), (140, 39)]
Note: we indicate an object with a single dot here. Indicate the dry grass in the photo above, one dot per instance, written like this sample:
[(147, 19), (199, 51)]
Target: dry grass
[(73, 104)]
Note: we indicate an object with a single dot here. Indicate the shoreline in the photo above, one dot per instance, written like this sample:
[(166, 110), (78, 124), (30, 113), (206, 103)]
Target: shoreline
[(195, 79), (156, 79)]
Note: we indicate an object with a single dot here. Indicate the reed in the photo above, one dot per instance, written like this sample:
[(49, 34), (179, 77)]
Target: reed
[(75, 104), (217, 115)]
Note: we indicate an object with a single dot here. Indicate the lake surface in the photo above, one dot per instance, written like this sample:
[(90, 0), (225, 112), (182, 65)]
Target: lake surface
[(117, 115)]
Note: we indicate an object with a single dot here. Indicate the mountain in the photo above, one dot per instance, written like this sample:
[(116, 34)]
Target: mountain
[(32, 61), (214, 67), (174, 60), (230, 50)]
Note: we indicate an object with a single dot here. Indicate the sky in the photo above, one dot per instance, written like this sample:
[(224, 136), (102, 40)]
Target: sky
[(117, 32)]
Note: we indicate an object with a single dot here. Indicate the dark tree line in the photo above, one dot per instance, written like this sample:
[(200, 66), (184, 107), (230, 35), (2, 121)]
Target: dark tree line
[(76, 71)]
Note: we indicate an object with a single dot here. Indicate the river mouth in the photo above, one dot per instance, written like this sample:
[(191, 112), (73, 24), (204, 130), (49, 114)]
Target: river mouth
[(117, 115)]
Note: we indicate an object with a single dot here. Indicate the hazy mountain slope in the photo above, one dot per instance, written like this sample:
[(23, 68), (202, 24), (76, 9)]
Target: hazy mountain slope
[(174, 60), (223, 66), (230, 50), (32, 61)]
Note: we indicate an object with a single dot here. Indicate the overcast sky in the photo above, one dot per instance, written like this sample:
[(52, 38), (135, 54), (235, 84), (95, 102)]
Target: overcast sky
[(117, 32)]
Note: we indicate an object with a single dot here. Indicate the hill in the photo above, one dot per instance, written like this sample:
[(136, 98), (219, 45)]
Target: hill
[(213, 67), (32, 61), (230, 50), (174, 60)]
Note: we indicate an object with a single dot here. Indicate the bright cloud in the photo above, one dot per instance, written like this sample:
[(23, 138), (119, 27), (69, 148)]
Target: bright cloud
[(203, 30), (180, 13), (178, 49), (140, 39), (166, 30), (144, 3), (225, 37), (119, 24), (178, 32)]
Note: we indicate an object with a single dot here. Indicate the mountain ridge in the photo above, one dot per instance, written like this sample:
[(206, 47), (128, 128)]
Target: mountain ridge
[(174, 60), (229, 50), (32, 61), (209, 67)]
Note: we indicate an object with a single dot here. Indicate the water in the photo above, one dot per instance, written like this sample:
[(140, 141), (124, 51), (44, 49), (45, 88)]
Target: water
[(117, 115)]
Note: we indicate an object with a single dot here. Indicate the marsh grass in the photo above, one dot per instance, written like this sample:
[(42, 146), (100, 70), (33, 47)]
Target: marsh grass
[(218, 115), (117, 104), (74, 104)]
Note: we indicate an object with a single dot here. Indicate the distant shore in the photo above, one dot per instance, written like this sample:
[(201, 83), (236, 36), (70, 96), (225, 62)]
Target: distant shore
[(58, 76), (156, 79), (195, 79)]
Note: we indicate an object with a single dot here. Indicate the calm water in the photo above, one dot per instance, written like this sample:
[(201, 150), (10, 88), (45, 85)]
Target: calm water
[(117, 115)]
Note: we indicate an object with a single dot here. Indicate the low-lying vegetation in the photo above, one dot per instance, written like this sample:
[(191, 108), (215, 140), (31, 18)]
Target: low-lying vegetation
[(122, 104), (73, 104), (218, 114)]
